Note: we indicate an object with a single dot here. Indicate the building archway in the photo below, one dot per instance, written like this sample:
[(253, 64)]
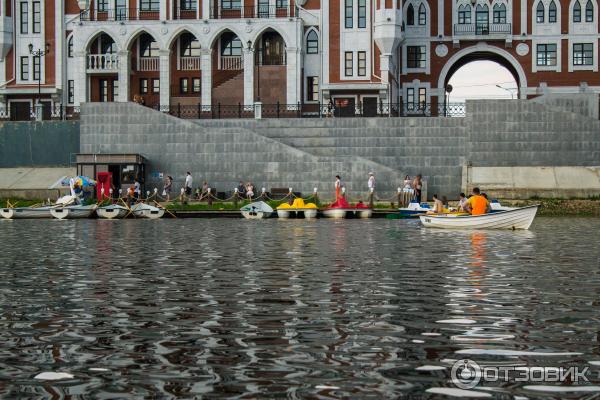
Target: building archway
[(185, 64), (102, 68), (228, 69), (270, 61), (483, 52), (145, 69)]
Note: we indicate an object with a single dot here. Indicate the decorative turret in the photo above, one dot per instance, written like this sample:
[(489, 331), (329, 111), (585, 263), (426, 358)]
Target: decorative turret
[(388, 33), (387, 27)]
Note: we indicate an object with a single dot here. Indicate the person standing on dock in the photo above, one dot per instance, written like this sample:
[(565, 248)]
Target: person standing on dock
[(188, 184), (168, 187), (338, 187), (371, 187), (417, 187)]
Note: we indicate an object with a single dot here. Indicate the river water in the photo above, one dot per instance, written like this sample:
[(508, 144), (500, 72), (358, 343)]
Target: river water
[(220, 308)]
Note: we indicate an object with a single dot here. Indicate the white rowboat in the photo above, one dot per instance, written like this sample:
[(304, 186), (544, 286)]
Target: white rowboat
[(26, 212), (147, 211), (73, 212), (257, 210), (113, 211), (519, 218)]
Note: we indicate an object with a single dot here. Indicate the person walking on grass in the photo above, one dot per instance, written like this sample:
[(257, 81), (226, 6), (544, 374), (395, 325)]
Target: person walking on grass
[(188, 184), (168, 187)]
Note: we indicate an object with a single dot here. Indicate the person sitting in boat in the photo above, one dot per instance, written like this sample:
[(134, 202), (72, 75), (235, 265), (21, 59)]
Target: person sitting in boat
[(477, 204), (462, 201), (438, 206)]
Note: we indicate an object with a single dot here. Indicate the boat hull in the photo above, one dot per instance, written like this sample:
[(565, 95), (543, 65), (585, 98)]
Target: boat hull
[(257, 210), (148, 211), (336, 213), (26, 213), (112, 212), (364, 213), (520, 218), (307, 213), (73, 212)]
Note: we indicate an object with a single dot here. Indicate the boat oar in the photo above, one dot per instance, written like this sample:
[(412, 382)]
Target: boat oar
[(164, 208)]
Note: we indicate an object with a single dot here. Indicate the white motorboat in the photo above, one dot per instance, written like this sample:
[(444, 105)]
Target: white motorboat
[(144, 210), (518, 218), (257, 210), (26, 212), (73, 212), (113, 211)]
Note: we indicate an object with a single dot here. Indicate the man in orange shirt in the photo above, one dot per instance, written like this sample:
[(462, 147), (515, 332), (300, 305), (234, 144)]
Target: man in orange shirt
[(477, 204)]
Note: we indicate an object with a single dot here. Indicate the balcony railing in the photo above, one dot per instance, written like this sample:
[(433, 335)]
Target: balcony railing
[(185, 13), (232, 63), (482, 29), (102, 62), (189, 63), (148, 64), (251, 12), (119, 14)]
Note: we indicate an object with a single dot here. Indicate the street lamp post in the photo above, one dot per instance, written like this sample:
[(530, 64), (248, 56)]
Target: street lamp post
[(257, 59), (39, 53), (512, 95)]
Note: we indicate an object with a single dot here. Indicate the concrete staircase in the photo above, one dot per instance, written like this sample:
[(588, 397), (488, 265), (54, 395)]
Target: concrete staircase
[(433, 147), (221, 154), (228, 88)]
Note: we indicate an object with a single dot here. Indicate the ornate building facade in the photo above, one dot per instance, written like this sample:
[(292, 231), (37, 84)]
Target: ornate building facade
[(352, 53)]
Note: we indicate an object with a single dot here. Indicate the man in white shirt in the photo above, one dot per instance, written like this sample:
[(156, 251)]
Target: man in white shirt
[(371, 182), (188, 184)]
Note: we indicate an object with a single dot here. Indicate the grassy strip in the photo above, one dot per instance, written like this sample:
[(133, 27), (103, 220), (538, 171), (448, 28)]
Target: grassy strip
[(560, 207)]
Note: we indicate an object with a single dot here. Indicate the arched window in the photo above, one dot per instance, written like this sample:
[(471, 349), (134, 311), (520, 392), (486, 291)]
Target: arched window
[(312, 42), (482, 19), (589, 11), (70, 47), (499, 14), (410, 15), (148, 46), (577, 12), (540, 13), (231, 46), (190, 46), (464, 14), (422, 15), (552, 13)]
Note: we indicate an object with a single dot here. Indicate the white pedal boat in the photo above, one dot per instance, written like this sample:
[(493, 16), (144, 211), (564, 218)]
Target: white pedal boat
[(337, 213), (147, 211), (257, 210), (73, 212), (26, 212), (114, 211), (363, 213), (518, 218)]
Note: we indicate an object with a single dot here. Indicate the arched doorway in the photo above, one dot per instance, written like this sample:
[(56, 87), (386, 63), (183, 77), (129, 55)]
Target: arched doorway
[(482, 79), (185, 70), (270, 83), (484, 52), (145, 70), (228, 70), (102, 66)]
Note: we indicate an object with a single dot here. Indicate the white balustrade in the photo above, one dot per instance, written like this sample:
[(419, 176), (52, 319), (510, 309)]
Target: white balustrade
[(232, 63), (102, 62), (148, 63), (189, 63)]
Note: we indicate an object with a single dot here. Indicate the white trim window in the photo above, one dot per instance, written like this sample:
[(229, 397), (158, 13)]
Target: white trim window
[(540, 13), (70, 91), (552, 13), (546, 55), (312, 42), (577, 12), (499, 13), (583, 54), (464, 14), (416, 57)]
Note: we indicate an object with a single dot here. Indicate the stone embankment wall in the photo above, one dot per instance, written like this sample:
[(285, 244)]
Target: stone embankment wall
[(307, 153)]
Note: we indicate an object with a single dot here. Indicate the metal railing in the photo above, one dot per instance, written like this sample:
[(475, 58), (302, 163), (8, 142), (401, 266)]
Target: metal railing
[(185, 13), (102, 62), (482, 29), (314, 110), (49, 113), (258, 11), (119, 14)]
